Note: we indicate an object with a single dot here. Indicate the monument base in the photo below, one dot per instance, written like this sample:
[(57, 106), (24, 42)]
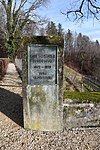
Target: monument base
[(42, 108)]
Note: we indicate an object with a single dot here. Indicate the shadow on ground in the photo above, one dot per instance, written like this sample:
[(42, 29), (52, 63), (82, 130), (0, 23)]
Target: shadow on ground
[(11, 105)]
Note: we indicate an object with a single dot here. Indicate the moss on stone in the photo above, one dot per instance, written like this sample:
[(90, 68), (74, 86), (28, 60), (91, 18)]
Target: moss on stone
[(38, 91)]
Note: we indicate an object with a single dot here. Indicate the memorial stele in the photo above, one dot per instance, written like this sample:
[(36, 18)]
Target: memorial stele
[(42, 108)]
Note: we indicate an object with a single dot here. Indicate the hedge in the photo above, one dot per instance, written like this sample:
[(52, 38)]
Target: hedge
[(82, 97)]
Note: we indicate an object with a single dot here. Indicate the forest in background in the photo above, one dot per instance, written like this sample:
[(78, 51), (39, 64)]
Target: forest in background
[(82, 54)]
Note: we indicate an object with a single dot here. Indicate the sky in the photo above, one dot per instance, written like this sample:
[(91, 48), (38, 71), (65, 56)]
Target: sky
[(53, 10)]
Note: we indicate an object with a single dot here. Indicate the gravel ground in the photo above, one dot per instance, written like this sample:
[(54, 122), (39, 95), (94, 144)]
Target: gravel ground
[(14, 137)]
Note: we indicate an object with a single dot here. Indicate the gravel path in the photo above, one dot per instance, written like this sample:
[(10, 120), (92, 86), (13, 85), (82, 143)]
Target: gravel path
[(14, 137)]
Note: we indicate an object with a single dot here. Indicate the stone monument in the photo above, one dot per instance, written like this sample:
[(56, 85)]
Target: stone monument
[(42, 75)]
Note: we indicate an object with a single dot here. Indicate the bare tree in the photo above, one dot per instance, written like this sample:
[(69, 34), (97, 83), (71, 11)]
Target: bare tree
[(2, 23), (19, 13), (82, 9)]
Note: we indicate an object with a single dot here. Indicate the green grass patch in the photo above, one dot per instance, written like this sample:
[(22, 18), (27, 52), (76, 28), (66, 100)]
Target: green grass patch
[(82, 97)]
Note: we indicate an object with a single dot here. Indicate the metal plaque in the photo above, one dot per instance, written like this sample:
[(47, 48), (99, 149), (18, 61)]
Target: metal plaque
[(42, 65)]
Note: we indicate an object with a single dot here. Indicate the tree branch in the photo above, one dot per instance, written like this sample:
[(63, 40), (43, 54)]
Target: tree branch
[(88, 7), (3, 3)]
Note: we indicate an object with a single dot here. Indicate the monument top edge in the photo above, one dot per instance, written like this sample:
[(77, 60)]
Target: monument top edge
[(42, 45)]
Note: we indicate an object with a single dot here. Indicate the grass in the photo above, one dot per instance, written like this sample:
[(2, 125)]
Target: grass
[(82, 97)]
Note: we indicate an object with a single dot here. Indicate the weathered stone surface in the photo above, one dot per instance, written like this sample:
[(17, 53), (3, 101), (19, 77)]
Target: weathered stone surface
[(43, 103), (81, 115)]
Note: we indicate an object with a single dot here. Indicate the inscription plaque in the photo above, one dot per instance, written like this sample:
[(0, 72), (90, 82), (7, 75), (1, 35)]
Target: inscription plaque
[(42, 65)]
